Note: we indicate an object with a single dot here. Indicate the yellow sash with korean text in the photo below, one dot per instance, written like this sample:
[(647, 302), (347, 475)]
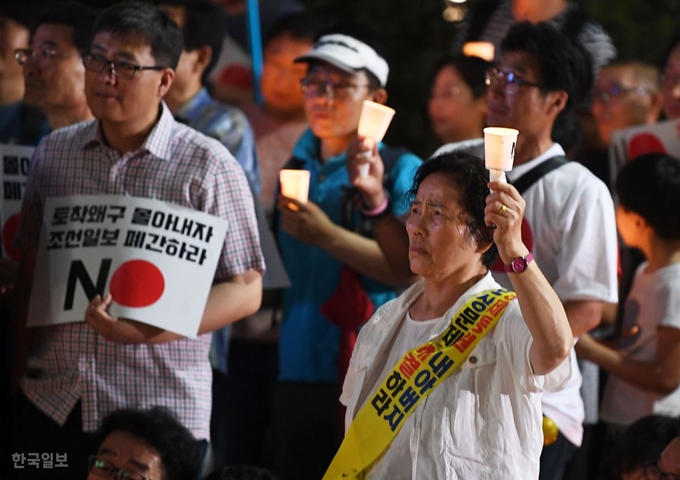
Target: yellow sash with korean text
[(414, 377)]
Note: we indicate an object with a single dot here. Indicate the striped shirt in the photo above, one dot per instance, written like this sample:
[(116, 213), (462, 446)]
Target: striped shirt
[(72, 362), (228, 125)]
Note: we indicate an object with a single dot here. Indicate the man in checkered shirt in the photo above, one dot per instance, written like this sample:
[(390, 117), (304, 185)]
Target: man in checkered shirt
[(72, 375)]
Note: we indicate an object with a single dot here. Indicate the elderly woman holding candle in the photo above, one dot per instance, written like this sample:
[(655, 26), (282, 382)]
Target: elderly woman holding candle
[(423, 400)]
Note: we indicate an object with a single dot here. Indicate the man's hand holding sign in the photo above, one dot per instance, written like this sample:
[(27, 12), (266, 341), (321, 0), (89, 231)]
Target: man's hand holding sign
[(129, 264)]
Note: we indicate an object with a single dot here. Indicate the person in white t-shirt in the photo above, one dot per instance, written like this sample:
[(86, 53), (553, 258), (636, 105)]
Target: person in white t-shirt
[(484, 420), (569, 219), (644, 366)]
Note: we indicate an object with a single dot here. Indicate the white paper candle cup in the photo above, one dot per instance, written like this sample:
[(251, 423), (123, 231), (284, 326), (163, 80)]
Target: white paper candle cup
[(295, 184), (483, 50), (499, 148), (497, 176), (375, 119)]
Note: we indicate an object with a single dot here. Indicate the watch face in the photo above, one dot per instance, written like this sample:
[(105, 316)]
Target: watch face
[(518, 265)]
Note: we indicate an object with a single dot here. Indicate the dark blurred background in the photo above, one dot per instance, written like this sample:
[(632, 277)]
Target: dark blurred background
[(417, 34)]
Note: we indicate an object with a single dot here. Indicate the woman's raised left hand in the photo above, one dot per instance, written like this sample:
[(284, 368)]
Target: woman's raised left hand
[(505, 209)]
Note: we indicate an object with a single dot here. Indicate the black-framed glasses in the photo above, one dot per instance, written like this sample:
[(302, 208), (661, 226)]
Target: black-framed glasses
[(22, 55), (105, 469), (328, 88), (119, 68), (508, 80), (653, 472), (606, 95)]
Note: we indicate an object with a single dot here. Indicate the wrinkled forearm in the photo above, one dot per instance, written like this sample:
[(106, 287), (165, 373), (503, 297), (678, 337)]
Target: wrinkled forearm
[(545, 318)]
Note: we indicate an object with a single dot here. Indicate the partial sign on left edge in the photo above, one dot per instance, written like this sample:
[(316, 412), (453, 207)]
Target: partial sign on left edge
[(15, 161)]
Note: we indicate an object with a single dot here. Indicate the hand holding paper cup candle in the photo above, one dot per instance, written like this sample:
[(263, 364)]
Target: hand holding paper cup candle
[(295, 184), (373, 124), (499, 151)]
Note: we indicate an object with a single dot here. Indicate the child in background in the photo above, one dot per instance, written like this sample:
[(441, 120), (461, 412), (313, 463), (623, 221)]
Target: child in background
[(644, 365)]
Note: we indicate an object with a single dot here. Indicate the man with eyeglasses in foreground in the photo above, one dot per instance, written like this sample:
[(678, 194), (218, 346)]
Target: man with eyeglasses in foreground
[(569, 213), (144, 445), (338, 272), (72, 375)]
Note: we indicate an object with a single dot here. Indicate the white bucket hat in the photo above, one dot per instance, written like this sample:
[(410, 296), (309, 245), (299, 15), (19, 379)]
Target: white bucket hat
[(348, 54)]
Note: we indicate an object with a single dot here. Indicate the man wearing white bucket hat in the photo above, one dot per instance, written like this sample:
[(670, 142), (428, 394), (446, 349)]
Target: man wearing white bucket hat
[(331, 244)]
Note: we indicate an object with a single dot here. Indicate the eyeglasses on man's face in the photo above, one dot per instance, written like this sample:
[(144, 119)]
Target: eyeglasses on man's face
[(614, 91), (653, 472), (103, 468), (330, 89), (46, 55), (509, 81), (95, 62)]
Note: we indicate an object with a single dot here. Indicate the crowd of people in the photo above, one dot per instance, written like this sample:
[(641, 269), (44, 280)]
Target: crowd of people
[(434, 324)]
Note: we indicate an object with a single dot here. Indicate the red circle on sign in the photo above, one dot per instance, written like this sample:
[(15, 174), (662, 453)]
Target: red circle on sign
[(644, 143), (9, 231), (137, 284), (236, 75)]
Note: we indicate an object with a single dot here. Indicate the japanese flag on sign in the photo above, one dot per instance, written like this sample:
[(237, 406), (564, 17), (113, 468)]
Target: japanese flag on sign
[(156, 259), (629, 143), (15, 161)]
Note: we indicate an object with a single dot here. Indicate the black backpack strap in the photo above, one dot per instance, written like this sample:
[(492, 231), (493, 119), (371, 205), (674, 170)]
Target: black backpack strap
[(351, 196), (272, 298), (523, 183), (390, 156)]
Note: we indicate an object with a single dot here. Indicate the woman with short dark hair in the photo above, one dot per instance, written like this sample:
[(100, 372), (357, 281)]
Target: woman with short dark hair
[(476, 410)]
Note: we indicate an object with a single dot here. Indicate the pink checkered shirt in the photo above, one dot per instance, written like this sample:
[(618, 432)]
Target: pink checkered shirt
[(71, 362)]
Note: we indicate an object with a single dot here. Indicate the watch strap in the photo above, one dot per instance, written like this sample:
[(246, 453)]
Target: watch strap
[(519, 264)]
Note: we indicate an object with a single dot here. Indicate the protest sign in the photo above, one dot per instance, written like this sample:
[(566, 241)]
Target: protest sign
[(156, 259), (15, 161), (629, 143)]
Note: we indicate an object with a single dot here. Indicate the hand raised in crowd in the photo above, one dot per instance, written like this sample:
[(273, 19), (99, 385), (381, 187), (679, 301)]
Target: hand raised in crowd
[(305, 221), (366, 170), (505, 209)]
